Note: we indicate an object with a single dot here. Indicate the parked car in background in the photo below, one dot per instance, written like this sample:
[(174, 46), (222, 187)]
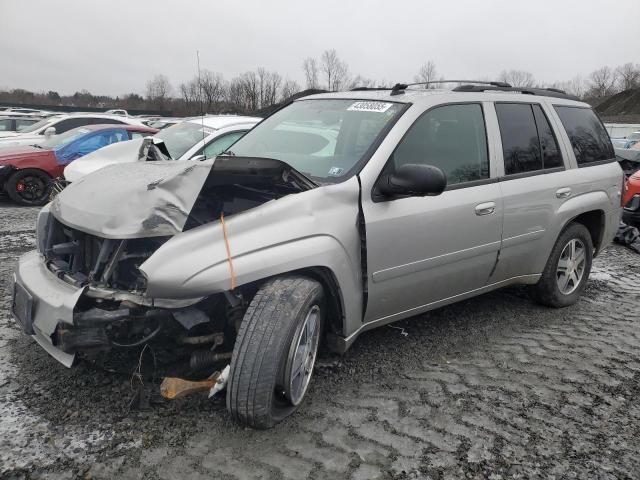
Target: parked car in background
[(631, 201), (621, 130), (20, 111), (162, 123), (57, 124), (26, 171), (203, 137), (426, 198), (16, 123)]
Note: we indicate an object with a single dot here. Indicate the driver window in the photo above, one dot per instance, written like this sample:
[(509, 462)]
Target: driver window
[(452, 138)]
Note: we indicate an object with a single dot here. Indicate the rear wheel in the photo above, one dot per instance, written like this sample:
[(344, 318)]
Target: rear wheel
[(567, 269), (29, 187), (275, 351)]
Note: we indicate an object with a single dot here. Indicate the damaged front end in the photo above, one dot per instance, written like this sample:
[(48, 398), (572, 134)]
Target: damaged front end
[(84, 293)]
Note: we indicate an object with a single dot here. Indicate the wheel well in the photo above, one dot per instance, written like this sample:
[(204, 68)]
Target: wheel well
[(333, 296), (594, 222)]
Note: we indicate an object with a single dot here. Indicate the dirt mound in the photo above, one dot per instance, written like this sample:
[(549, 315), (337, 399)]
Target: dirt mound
[(622, 105)]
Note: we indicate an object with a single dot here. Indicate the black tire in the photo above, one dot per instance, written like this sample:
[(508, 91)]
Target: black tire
[(29, 187), (269, 330), (547, 291)]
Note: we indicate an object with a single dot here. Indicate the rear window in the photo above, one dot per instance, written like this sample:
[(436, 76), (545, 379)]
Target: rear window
[(589, 139)]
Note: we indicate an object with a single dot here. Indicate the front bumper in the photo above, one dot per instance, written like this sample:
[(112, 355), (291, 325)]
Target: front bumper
[(631, 211), (48, 301)]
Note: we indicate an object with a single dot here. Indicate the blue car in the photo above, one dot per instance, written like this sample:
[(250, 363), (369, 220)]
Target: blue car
[(26, 171)]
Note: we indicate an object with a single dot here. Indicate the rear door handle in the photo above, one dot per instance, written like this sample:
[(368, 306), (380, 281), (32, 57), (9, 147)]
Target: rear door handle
[(486, 208), (563, 192)]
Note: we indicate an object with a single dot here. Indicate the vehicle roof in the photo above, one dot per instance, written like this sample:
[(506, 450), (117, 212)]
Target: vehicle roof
[(222, 121), (430, 96), (107, 126), (19, 117)]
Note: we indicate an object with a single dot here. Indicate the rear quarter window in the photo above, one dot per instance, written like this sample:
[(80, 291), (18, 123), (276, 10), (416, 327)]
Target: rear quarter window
[(589, 139)]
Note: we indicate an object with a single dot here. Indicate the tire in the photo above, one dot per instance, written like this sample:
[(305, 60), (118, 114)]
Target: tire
[(260, 392), (29, 187), (557, 287)]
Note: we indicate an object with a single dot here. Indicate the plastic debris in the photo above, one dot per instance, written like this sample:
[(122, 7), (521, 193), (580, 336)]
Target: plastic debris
[(403, 332), (221, 382)]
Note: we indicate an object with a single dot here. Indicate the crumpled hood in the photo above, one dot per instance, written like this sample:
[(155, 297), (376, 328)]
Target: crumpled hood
[(163, 198), (116, 153)]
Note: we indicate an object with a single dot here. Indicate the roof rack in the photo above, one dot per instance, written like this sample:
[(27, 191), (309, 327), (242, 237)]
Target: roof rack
[(399, 88), (547, 92), (476, 86)]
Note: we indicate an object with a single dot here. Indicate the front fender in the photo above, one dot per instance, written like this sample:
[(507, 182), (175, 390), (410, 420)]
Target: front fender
[(316, 228)]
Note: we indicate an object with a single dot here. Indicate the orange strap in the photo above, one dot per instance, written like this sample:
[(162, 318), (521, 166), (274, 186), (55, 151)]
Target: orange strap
[(226, 244)]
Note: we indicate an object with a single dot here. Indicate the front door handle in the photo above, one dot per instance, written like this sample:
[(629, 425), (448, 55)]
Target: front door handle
[(486, 208), (564, 192)]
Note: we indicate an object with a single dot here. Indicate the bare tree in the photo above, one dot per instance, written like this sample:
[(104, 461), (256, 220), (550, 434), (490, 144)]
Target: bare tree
[(576, 86), (211, 89), (158, 91), (628, 76), (427, 73), (268, 87), (360, 81), (191, 95), (602, 82), (289, 88), (310, 67), (334, 70), (518, 78)]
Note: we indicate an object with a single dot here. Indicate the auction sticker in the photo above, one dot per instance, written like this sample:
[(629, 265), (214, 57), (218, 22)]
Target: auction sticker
[(379, 107)]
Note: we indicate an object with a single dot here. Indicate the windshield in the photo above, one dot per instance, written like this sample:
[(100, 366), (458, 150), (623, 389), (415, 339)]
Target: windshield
[(323, 139), (181, 137), (37, 125), (58, 141)]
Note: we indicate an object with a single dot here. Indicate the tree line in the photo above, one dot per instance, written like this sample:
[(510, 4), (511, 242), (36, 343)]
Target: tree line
[(210, 92)]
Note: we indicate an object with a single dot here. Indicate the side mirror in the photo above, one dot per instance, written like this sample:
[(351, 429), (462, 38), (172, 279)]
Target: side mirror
[(414, 180), (198, 158), (50, 131)]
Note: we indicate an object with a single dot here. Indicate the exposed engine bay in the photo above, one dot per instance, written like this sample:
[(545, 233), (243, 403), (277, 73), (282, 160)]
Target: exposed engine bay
[(113, 311)]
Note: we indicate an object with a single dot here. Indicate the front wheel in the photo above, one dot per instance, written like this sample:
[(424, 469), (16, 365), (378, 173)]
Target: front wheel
[(275, 351), (567, 269), (29, 186)]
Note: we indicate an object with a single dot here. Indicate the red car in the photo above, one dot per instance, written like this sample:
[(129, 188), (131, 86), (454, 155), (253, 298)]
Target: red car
[(26, 171), (631, 200)]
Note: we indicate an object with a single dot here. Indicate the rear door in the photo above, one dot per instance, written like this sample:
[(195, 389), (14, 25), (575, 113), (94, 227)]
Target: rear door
[(422, 250), (534, 185)]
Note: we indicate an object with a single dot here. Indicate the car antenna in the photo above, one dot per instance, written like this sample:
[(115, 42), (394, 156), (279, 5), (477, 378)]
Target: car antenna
[(201, 99)]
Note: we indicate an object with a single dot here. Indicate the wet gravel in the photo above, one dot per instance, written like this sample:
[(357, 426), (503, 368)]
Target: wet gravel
[(495, 387)]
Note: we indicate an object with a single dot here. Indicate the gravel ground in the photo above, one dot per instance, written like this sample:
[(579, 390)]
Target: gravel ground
[(494, 387)]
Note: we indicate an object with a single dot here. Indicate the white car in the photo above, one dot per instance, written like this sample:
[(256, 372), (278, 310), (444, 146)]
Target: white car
[(194, 137), (40, 131)]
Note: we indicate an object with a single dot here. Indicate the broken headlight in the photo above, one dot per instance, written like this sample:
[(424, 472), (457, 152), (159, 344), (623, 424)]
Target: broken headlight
[(43, 224)]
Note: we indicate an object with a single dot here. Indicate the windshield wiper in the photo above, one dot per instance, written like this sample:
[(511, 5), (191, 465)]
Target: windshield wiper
[(36, 145)]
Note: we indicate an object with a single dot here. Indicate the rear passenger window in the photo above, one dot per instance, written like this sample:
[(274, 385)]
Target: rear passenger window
[(520, 145), (589, 139), (528, 143), (452, 138), (551, 157)]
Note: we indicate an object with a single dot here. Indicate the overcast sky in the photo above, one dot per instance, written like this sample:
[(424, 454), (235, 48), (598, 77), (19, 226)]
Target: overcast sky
[(115, 46)]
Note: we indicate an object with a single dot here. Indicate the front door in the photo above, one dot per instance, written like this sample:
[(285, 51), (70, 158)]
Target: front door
[(421, 250)]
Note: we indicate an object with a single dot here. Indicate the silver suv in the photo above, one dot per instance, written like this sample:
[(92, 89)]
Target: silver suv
[(339, 213)]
